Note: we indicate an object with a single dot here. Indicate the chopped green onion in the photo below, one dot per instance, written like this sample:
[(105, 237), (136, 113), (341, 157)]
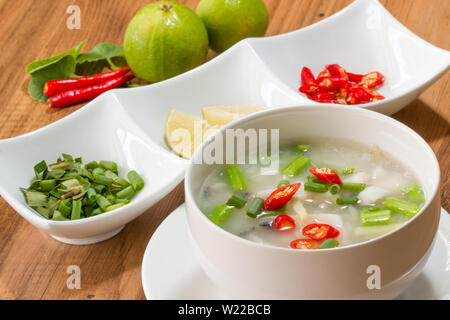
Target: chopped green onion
[(47, 185), (303, 148), (236, 202), (374, 216), (296, 166), (58, 216), (40, 168), (236, 178), (315, 187), (76, 210), (283, 183), (103, 203), (115, 206), (220, 214), (335, 188), (35, 198), (126, 193), (101, 179), (329, 243), (255, 207), (109, 165), (135, 180), (347, 201), (401, 206), (65, 207), (348, 171), (91, 165), (352, 186), (315, 179), (414, 193)]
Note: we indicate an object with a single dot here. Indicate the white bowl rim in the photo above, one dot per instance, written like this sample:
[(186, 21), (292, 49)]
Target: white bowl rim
[(272, 112)]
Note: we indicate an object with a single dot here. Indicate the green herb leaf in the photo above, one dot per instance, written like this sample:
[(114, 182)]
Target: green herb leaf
[(101, 52), (63, 68), (44, 63)]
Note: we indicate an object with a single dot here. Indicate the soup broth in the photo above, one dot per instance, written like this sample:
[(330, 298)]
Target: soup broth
[(362, 193)]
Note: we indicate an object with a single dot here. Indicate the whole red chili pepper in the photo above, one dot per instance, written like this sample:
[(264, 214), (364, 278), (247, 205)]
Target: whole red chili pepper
[(70, 97), (53, 87)]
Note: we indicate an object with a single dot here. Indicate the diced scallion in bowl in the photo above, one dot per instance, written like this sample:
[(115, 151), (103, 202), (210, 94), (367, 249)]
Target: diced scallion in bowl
[(69, 190)]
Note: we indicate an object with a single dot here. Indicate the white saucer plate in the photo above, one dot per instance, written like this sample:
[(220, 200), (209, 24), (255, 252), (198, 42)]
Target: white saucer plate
[(170, 270)]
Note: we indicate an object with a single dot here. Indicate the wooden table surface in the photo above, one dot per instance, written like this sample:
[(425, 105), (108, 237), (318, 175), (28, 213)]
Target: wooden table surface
[(33, 265)]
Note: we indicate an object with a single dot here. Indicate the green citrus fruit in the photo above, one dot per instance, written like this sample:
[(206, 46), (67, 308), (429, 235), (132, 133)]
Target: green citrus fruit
[(229, 21), (163, 40)]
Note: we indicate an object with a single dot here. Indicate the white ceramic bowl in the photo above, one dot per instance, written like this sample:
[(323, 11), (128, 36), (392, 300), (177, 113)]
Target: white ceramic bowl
[(103, 131), (253, 271)]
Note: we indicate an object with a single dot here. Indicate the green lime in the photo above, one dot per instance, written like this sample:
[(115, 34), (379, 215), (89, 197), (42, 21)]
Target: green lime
[(229, 21), (163, 40)]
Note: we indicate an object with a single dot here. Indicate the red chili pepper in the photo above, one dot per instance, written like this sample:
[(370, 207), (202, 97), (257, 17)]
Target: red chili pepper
[(70, 97), (323, 96), (354, 77), (280, 197), (372, 80), (283, 222), (53, 87), (360, 94), (304, 244), (323, 74), (318, 231), (333, 82), (307, 77), (337, 70), (326, 175), (374, 94)]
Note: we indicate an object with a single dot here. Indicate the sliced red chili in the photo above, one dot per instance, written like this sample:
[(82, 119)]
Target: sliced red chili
[(304, 244), (283, 222), (323, 96), (323, 74), (336, 70), (361, 95), (333, 82), (372, 80), (280, 197), (354, 77), (307, 77), (326, 175), (374, 94), (319, 231)]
